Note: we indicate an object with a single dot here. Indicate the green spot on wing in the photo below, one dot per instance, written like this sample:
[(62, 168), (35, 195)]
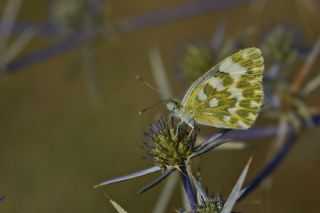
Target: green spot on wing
[(227, 80)]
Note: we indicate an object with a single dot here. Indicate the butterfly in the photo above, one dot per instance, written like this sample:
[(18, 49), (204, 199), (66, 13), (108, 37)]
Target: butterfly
[(229, 95)]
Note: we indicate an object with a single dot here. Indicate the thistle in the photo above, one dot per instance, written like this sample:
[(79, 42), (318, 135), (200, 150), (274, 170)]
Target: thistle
[(166, 148), (196, 60), (287, 97), (280, 45), (212, 205), (68, 15), (171, 148), (71, 16), (215, 203)]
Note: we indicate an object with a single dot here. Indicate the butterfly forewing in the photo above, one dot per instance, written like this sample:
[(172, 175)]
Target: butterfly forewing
[(229, 95)]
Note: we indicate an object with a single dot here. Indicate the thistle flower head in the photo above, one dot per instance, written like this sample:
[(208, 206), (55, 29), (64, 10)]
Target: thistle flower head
[(168, 144), (212, 205), (280, 45), (73, 15), (171, 145)]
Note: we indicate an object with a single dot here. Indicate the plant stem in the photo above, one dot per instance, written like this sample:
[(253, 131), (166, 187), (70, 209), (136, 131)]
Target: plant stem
[(271, 166), (188, 187)]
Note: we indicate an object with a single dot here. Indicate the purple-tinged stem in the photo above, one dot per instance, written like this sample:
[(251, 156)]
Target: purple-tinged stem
[(44, 29), (261, 132), (187, 10), (278, 157), (188, 187), (151, 19), (127, 25), (48, 52), (269, 168)]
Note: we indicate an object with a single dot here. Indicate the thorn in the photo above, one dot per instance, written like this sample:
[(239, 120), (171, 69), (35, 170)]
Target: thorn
[(250, 160), (107, 196), (96, 186)]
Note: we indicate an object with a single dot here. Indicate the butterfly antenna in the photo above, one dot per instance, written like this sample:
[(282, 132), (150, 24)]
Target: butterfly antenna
[(149, 85), (149, 107)]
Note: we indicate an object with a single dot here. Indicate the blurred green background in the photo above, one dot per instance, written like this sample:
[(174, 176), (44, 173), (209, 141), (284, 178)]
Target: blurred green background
[(56, 143)]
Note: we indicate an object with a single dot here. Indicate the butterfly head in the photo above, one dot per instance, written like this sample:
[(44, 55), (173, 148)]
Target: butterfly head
[(174, 106)]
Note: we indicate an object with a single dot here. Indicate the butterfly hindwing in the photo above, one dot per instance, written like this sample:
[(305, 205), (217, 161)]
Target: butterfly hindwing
[(230, 94)]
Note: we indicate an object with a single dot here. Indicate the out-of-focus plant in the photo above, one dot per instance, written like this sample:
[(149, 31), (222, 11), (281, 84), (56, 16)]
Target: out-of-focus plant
[(196, 59), (284, 83), (78, 16), (73, 17), (80, 22), (70, 15), (280, 45), (67, 12), (303, 11), (9, 50), (285, 88)]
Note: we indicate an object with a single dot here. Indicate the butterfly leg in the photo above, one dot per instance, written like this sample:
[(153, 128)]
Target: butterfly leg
[(192, 128), (177, 130)]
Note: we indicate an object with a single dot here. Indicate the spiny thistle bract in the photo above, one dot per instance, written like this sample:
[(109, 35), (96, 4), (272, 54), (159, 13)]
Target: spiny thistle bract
[(166, 148)]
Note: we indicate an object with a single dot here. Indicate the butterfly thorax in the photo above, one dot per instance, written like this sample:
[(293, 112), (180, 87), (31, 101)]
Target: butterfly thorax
[(177, 110)]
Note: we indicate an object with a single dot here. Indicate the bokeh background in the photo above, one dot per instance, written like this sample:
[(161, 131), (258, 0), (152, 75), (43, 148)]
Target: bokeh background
[(70, 121)]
